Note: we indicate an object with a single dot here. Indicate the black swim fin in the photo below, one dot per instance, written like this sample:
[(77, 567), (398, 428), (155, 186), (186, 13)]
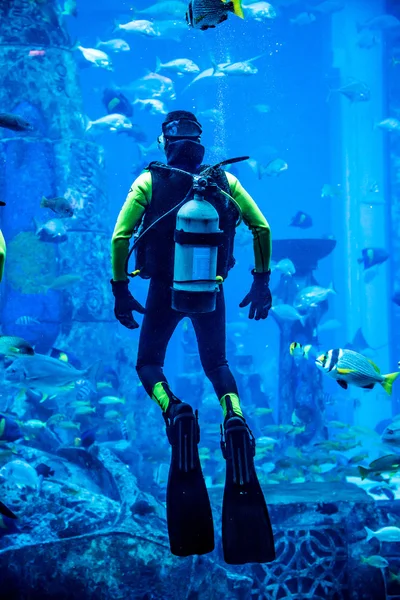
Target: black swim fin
[(189, 516), (246, 528)]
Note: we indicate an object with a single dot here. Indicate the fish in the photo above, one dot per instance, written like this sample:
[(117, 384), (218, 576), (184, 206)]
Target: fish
[(20, 473), (312, 296), (111, 122), (375, 561), (243, 67), (59, 205), (47, 374), (380, 23), (394, 577), (10, 431), (298, 351), (84, 410), (27, 320), (142, 508), (390, 435), (152, 105), (261, 411), (385, 534), (98, 58), (36, 53), (87, 438), (53, 231), (111, 415), (331, 191), (33, 425), (206, 14), (14, 122), (108, 400), (380, 490), (301, 220), (359, 343), (328, 7), (67, 425), (115, 102), (260, 11), (358, 458), (152, 85), (327, 508), (140, 26), (11, 345), (6, 512), (115, 45), (286, 312), (304, 18), (390, 124), (44, 470), (70, 9), (372, 256), (367, 40), (181, 66), (285, 266), (63, 282), (275, 167), (351, 368), (354, 90)]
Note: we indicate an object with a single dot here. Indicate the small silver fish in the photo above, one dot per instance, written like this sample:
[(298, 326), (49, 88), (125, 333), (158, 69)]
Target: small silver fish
[(97, 57), (112, 122), (115, 45), (53, 231), (181, 66), (140, 26), (286, 312)]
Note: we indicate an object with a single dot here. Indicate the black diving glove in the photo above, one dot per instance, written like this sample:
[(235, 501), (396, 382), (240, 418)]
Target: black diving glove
[(259, 296), (125, 303)]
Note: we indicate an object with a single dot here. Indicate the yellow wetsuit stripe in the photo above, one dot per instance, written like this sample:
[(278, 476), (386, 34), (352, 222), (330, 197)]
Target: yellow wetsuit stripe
[(256, 222), (2, 255), (139, 197)]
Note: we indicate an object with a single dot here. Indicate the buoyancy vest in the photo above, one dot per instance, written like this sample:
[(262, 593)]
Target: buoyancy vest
[(155, 251)]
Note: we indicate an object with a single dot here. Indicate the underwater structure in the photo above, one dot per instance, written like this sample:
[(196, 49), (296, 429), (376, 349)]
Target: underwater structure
[(61, 286)]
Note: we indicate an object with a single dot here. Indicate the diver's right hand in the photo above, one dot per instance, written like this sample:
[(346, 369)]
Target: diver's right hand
[(125, 303)]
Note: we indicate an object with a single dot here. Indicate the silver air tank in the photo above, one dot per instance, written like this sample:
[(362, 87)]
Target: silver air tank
[(197, 237)]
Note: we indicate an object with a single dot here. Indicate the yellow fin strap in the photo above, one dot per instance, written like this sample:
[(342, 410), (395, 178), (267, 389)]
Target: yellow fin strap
[(160, 396), (377, 369), (134, 273), (235, 404), (345, 371)]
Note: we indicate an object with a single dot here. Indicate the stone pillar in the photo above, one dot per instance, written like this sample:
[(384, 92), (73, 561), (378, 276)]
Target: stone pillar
[(393, 143), (360, 218), (55, 159)]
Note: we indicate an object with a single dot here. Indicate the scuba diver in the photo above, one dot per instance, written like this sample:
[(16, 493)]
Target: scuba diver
[(183, 215)]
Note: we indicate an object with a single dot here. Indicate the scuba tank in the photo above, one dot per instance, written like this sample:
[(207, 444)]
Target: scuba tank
[(197, 237)]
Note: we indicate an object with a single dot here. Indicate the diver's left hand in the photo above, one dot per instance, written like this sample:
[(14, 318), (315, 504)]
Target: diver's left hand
[(259, 297)]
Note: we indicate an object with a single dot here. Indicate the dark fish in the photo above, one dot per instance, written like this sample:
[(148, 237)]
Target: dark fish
[(7, 526), (59, 205), (11, 345), (68, 357), (9, 429), (2, 203), (327, 508), (396, 298), (6, 512), (373, 256), (115, 102), (44, 470), (380, 490), (301, 220), (88, 438), (205, 14), (142, 508), (355, 91), (14, 122), (53, 231)]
